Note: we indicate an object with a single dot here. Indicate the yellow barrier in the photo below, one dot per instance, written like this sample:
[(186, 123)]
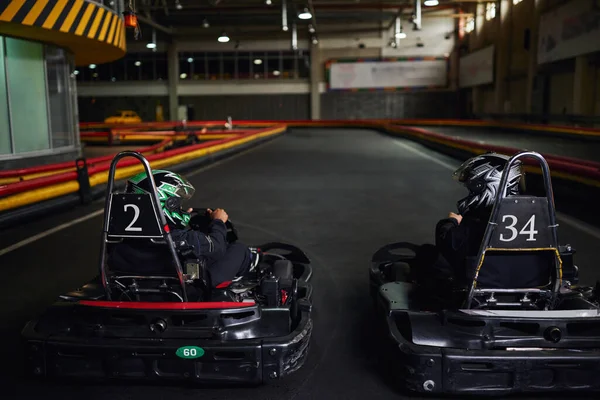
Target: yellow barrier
[(61, 189)]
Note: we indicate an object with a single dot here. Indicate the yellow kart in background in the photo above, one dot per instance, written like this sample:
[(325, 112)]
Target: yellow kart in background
[(124, 117)]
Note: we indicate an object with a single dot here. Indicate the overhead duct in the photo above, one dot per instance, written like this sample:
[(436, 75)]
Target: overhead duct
[(397, 29), (417, 16), (284, 23)]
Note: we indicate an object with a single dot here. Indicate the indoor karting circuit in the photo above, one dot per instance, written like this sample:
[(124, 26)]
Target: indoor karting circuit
[(337, 194)]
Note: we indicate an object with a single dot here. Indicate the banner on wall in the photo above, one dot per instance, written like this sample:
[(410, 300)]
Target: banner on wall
[(395, 73), (477, 68), (569, 31)]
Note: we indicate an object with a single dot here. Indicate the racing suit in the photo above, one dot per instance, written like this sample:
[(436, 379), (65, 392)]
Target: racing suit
[(459, 244), (224, 260)]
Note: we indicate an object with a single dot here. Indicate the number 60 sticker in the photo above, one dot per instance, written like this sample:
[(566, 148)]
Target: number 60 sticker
[(189, 352), (528, 229)]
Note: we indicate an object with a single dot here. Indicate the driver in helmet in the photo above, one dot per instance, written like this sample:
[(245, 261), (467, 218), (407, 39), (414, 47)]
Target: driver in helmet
[(459, 236), (225, 261)]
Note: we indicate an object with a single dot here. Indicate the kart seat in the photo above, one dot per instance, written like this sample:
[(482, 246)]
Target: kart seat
[(510, 270), (147, 266)]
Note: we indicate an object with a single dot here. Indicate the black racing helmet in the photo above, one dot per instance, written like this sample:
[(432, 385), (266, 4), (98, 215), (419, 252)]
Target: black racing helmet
[(173, 190), (481, 176)]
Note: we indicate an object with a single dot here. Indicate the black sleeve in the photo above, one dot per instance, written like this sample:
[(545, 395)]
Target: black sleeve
[(450, 238), (211, 246)]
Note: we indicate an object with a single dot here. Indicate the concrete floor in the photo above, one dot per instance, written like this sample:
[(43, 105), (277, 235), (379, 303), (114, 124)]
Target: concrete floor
[(338, 194)]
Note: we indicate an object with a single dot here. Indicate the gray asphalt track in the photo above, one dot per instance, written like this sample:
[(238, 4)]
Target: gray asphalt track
[(338, 194)]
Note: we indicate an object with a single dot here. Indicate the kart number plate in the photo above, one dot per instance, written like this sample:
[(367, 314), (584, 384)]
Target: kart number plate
[(189, 352)]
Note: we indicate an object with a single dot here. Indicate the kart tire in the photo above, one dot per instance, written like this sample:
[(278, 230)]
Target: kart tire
[(283, 269)]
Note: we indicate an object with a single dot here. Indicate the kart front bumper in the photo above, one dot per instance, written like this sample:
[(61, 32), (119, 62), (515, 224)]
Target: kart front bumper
[(429, 369), (250, 361)]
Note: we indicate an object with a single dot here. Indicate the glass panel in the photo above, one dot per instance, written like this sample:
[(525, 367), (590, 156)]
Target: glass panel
[(214, 66), (288, 66), (244, 66), (5, 147), (27, 93), (273, 66), (57, 70)]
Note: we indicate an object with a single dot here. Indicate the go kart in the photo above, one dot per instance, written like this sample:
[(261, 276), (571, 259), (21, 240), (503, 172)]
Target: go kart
[(176, 326), (471, 336)]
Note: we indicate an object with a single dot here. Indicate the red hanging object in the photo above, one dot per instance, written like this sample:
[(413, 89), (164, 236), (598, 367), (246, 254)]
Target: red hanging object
[(130, 19)]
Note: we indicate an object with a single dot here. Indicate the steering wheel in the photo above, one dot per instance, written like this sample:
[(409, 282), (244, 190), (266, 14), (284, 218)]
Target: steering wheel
[(200, 219)]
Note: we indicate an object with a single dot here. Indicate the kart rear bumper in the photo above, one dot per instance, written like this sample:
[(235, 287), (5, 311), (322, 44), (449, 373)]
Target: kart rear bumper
[(429, 369), (252, 361)]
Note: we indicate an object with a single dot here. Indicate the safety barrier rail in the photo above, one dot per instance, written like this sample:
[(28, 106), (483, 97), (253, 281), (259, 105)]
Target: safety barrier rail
[(41, 188), (545, 119), (22, 174), (85, 177)]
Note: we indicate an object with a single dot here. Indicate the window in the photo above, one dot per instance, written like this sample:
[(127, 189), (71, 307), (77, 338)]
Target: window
[(5, 136), (31, 70), (490, 11), (58, 76), (26, 81), (470, 25)]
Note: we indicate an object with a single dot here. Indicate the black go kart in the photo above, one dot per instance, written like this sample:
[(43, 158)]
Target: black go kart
[(177, 326), (454, 336)]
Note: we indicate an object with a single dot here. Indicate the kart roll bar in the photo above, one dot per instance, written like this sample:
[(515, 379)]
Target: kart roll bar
[(493, 221), (160, 217)]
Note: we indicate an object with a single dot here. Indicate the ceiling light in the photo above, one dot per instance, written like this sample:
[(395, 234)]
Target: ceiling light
[(92, 66), (183, 76), (314, 40), (268, 2), (190, 60), (205, 23), (113, 79), (137, 63), (276, 73), (311, 28), (431, 3), (151, 45), (305, 14), (178, 5), (75, 72), (257, 61), (223, 38), (400, 35)]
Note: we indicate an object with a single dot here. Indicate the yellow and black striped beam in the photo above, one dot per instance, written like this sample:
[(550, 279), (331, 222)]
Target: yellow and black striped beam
[(95, 34)]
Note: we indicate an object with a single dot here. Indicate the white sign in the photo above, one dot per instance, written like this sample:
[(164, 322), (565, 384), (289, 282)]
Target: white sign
[(388, 74), (477, 68), (569, 31)]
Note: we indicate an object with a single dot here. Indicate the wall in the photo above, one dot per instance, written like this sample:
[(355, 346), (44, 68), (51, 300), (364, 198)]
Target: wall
[(521, 85), (389, 104), (561, 93), (384, 105), (249, 107)]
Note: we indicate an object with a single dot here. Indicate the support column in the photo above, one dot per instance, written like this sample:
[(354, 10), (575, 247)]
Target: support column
[(502, 67), (584, 87), (173, 81), (534, 11), (315, 78)]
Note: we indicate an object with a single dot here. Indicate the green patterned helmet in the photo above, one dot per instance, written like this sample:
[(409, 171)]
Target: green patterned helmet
[(173, 190)]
